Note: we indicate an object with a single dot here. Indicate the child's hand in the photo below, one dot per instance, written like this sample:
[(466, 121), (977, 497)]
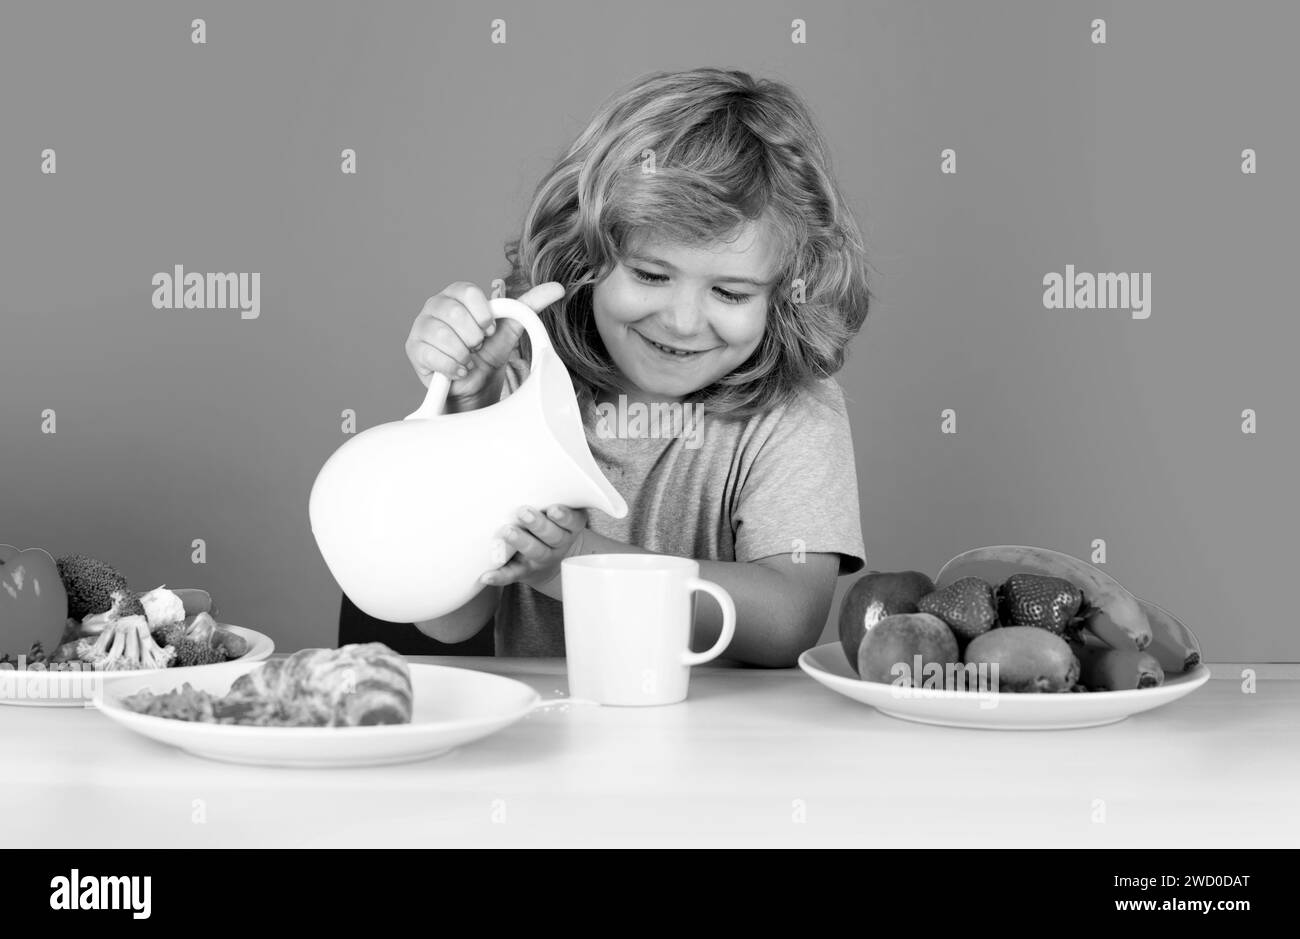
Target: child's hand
[(542, 541), (456, 335)]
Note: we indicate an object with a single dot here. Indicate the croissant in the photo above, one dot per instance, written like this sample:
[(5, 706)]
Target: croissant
[(351, 686)]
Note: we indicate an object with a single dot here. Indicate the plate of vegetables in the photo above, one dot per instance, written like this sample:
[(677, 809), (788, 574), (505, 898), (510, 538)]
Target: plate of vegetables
[(66, 625)]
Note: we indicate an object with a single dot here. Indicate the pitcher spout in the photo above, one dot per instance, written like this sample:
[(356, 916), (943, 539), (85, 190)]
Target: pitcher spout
[(589, 486), (557, 406), (607, 498)]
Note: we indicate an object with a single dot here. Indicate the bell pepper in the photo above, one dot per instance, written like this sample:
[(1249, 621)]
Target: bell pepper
[(33, 601)]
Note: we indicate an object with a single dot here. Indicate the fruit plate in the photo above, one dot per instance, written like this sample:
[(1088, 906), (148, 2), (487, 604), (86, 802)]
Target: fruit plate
[(991, 710), (453, 706), (39, 688)]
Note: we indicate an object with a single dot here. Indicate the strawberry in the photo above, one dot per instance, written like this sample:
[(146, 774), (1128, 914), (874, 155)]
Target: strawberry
[(965, 605), (1051, 603)]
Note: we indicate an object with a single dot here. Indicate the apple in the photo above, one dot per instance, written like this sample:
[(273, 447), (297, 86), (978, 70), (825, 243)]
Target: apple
[(874, 596)]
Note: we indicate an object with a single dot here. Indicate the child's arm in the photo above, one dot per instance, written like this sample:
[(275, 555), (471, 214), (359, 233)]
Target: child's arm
[(781, 606), (464, 623)]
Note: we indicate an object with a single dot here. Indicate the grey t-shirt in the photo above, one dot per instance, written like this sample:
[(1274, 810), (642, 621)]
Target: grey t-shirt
[(723, 490)]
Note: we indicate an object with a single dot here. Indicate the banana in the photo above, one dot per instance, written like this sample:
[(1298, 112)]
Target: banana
[(1173, 644), (1102, 668), (1100, 624), (1124, 624)]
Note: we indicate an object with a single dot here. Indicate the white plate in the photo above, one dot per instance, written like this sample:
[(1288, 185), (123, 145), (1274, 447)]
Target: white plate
[(83, 688), (452, 706), (992, 711)]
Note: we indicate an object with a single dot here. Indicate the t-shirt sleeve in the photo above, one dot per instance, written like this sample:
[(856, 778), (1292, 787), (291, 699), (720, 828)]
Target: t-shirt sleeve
[(801, 488)]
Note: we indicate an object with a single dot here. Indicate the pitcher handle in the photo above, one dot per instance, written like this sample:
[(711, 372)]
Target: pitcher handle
[(435, 400)]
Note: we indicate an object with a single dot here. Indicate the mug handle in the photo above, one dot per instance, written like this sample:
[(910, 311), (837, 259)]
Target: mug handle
[(435, 399), (728, 621)]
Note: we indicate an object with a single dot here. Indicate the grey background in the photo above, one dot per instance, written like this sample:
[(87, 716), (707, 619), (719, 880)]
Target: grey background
[(1072, 424)]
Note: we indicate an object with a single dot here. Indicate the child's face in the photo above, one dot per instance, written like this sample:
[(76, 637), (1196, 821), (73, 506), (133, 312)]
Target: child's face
[(695, 300)]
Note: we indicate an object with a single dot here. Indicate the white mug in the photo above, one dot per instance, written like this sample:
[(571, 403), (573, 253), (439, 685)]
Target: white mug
[(627, 626)]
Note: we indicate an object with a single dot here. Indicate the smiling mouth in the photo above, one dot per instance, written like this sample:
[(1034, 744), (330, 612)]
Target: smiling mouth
[(670, 350)]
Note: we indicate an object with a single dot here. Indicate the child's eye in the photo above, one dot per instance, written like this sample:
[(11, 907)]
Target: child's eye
[(651, 278), (729, 297)]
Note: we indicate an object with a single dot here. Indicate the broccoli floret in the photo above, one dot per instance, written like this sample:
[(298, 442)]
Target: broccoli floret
[(37, 655), (170, 635), (124, 603), (128, 604), (90, 584), (195, 642), (125, 643), (197, 652)]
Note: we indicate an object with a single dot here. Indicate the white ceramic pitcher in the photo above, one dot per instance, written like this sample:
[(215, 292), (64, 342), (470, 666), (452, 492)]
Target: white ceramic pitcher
[(405, 513)]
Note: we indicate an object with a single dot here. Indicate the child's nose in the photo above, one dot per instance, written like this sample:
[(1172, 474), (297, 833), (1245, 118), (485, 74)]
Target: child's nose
[(683, 320)]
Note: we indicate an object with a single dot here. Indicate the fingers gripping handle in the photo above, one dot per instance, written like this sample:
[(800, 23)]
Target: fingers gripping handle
[(435, 399), (728, 622)]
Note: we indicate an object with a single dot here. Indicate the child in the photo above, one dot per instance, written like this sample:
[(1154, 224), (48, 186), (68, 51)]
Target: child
[(690, 249)]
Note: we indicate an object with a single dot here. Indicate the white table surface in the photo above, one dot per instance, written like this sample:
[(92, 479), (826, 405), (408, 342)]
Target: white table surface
[(753, 758)]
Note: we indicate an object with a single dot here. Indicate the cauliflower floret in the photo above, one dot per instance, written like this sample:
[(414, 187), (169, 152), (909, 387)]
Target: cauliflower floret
[(162, 607)]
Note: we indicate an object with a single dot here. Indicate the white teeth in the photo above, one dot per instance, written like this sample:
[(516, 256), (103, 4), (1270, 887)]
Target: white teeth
[(658, 345)]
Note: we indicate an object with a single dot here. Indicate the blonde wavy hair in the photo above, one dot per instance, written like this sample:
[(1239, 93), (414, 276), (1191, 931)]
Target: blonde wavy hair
[(728, 149)]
